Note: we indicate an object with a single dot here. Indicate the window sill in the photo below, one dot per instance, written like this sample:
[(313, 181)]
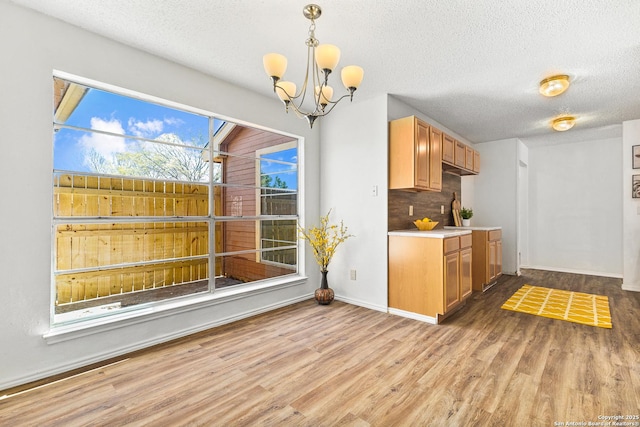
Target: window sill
[(66, 332)]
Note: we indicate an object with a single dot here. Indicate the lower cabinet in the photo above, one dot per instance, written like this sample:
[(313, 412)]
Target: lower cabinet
[(487, 263), (429, 276)]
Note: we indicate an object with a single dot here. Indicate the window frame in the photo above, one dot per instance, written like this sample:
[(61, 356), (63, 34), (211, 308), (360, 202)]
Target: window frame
[(259, 196), (61, 331)]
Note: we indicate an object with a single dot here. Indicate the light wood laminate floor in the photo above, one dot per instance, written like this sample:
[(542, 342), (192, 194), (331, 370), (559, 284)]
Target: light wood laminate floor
[(310, 365)]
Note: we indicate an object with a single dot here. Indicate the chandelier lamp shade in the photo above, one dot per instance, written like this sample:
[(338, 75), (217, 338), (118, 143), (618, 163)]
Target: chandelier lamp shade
[(322, 60)]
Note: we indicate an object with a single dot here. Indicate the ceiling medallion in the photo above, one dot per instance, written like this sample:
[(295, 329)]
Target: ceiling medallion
[(321, 61)]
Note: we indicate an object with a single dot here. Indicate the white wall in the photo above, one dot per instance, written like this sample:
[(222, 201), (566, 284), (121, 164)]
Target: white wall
[(493, 194), (523, 210), (354, 161), (630, 209), (32, 46), (575, 223)]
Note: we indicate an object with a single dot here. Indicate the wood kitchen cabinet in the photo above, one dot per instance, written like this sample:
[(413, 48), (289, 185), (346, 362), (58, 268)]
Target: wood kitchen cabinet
[(429, 278), (460, 155), (476, 161), (459, 158), (487, 258), (448, 149), (468, 157), (415, 155), (435, 159)]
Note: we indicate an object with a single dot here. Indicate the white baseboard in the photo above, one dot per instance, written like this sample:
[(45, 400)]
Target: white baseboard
[(631, 288), (571, 270), (361, 303), (414, 316)]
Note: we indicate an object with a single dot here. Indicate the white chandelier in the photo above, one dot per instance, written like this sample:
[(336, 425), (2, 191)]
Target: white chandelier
[(321, 61)]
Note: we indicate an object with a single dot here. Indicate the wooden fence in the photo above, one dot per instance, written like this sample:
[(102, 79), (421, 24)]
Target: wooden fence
[(97, 258)]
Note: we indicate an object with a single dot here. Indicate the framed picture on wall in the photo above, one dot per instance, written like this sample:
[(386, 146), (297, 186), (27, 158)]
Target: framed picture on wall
[(636, 156), (636, 186)]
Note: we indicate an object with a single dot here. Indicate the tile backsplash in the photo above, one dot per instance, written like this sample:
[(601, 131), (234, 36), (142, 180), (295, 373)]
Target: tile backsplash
[(425, 203)]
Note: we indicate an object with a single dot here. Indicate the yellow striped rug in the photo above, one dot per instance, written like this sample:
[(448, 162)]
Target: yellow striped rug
[(587, 309)]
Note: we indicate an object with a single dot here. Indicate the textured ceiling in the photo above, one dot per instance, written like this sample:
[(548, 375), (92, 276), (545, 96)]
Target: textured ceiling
[(472, 65)]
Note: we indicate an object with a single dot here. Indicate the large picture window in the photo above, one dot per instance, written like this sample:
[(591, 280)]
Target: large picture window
[(153, 202)]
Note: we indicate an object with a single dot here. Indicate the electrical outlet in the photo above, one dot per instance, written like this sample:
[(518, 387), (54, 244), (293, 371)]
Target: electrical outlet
[(352, 274), (374, 191), (410, 210), (442, 209)]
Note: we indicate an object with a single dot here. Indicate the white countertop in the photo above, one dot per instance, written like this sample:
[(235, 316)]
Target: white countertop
[(434, 234), (450, 227)]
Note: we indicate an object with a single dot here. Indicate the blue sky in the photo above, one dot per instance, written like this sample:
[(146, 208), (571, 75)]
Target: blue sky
[(128, 116), (287, 173), (121, 115)]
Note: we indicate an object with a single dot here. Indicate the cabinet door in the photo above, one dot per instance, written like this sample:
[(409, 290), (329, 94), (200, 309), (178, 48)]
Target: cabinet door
[(460, 154), (476, 161), (498, 257), (435, 160), (468, 158), (422, 155), (451, 280), (465, 273), (492, 261), (448, 149)]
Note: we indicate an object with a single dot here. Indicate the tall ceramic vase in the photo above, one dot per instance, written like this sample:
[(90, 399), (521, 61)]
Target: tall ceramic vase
[(324, 294)]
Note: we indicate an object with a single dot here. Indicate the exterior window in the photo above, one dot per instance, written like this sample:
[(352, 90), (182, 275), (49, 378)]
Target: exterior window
[(257, 221), (152, 202), (278, 199)]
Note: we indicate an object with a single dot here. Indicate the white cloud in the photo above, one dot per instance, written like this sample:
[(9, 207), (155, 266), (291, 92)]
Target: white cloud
[(105, 145), (172, 121), (147, 129)]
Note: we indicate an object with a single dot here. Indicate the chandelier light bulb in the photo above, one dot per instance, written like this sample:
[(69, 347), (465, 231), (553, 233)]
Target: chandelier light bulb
[(327, 94), (275, 65), (286, 91), (352, 76), (327, 56)]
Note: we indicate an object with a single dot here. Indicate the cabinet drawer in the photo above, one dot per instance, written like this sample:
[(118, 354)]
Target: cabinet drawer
[(465, 241), (495, 235), (451, 244)]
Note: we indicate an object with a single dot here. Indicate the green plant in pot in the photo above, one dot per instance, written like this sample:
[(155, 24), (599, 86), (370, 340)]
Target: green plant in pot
[(324, 240), (466, 214)]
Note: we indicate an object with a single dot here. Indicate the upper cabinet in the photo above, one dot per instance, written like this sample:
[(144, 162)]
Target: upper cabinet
[(448, 149), (458, 157), (418, 153), (415, 155)]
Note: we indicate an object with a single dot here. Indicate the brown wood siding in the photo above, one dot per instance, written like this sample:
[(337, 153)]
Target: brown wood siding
[(241, 235)]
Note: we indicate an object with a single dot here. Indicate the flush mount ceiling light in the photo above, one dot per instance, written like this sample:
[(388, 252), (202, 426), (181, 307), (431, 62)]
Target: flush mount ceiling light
[(554, 85), (321, 61), (563, 123)]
